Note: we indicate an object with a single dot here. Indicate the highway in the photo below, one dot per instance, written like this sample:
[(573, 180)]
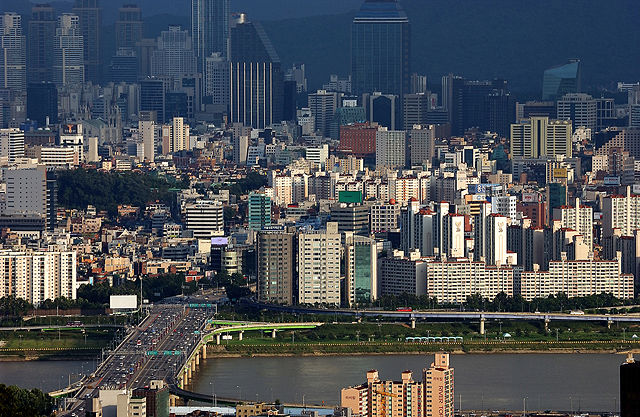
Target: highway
[(156, 349)]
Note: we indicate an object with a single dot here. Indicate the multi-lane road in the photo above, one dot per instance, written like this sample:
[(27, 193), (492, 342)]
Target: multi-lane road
[(156, 349)]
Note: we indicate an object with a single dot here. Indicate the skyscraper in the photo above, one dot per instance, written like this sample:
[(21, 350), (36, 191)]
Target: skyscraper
[(90, 20), (323, 105), (42, 103), (380, 48), (256, 77), (276, 266), (540, 137), (259, 208), (13, 45), (68, 65), (42, 31), (174, 56), (129, 26), (152, 97), (210, 28), (561, 80)]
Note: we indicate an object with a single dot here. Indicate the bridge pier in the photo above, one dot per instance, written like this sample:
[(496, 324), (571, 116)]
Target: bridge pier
[(184, 379), (609, 323), (546, 324), (204, 351), (172, 400), (198, 359), (413, 323), (218, 339), (189, 374), (482, 331), (240, 335), (273, 333)]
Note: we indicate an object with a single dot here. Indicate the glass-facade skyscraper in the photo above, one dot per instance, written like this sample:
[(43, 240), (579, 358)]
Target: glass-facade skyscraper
[(42, 31), (210, 27), (561, 80), (380, 49), (90, 22)]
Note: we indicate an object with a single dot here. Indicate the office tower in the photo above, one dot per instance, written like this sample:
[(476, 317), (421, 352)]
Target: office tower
[(144, 51), (500, 112), (26, 190), (69, 61), (403, 398), (256, 78), (540, 137), (438, 382), (175, 137), (216, 85), (561, 80), (323, 105), (11, 144), (578, 218), (205, 219), (453, 101), (535, 108), (259, 211), (630, 388), (380, 49), (42, 32), (240, 149), (415, 109), (124, 66), (152, 97), (90, 23), (319, 266), (210, 27), (174, 56), (391, 146), (418, 84), (361, 275), (422, 140), (350, 113), (276, 266), (13, 50), (36, 276), (358, 139), (42, 103), (351, 217), (580, 109), (147, 132), (383, 109), (129, 26)]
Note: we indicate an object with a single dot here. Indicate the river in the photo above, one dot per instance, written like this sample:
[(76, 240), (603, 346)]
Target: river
[(484, 382), (492, 381)]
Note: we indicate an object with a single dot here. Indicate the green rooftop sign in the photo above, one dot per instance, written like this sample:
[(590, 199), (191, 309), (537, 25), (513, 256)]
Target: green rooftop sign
[(350, 197)]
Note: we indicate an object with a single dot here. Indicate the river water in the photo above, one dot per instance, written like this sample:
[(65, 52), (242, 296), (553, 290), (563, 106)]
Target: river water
[(570, 382)]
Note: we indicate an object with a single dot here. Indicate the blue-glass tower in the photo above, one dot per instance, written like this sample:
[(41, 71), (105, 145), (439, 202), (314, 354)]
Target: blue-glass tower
[(380, 49), (561, 80)]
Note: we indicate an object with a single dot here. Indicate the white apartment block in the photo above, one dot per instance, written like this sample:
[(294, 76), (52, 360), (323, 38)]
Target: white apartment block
[(504, 205), (319, 266), (37, 276), (622, 213), (283, 190), (405, 189), (577, 279), (454, 280), (578, 218)]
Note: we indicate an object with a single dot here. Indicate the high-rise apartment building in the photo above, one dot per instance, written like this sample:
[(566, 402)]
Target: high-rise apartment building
[(578, 218), (174, 56), (361, 270), (540, 137), (11, 144), (256, 78), (38, 276), (402, 275), (259, 211), (205, 219), (129, 26), (629, 388), (422, 144), (13, 52), (69, 61), (90, 25), (276, 266), (351, 217), (319, 266), (147, 132), (579, 108), (438, 388), (380, 49), (175, 137), (561, 80), (323, 105), (42, 32), (391, 146), (621, 213)]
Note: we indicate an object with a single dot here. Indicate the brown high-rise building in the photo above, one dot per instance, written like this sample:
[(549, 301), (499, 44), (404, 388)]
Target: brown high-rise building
[(275, 266), (90, 15), (358, 139)]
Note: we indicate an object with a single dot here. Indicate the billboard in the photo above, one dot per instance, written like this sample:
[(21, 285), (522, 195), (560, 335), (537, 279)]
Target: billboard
[(70, 129), (123, 302), (350, 197), (560, 173), (219, 241), (530, 197), (612, 181)]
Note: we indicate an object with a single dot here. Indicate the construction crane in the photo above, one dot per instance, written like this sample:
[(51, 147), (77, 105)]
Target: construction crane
[(383, 401)]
